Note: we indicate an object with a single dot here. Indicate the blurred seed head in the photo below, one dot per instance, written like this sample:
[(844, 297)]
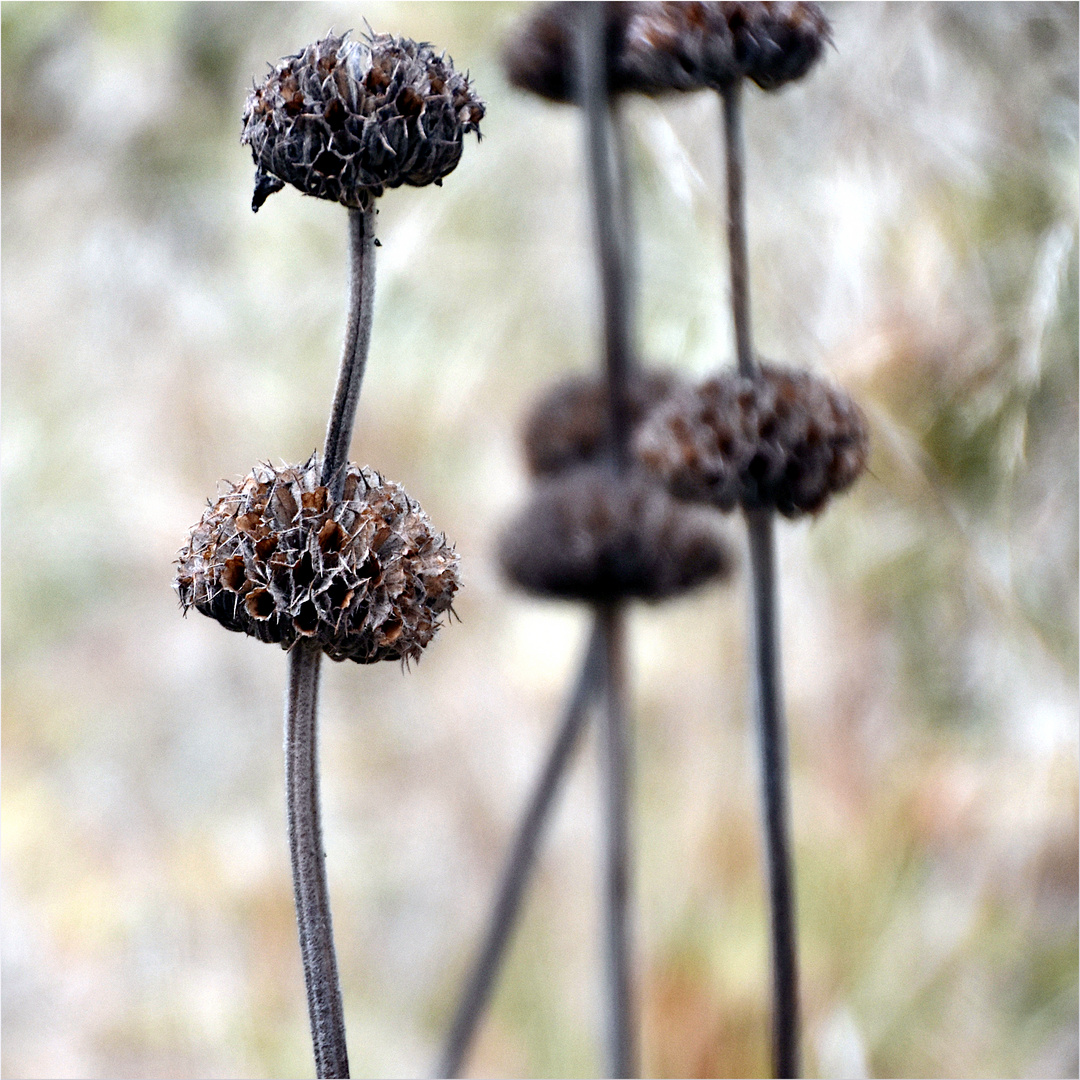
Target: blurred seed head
[(344, 120), (568, 426), (593, 535), (657, 47), (784, 439), (365, 578)]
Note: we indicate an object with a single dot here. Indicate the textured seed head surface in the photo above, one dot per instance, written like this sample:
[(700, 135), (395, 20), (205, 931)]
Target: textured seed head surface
[(344, 120), (365, 578), (568, 426), (783, 439), (657, 47), (592, 535)]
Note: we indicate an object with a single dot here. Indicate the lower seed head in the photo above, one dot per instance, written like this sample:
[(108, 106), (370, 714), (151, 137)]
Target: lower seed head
[(366, 578), (592, 535)]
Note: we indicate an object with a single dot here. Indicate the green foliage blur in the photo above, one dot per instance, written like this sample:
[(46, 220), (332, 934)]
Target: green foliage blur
[(913, 211)]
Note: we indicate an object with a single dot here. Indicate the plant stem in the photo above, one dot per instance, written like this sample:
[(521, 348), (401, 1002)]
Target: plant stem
[(519, 866), (612, 241), (769, 705), (301, 700), (309, 863), (615, 769), (354, 354)]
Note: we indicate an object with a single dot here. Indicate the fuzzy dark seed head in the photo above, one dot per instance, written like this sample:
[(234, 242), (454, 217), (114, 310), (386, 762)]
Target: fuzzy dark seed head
[(344, 120), (366, 578), (688, 46), (592, 535), (568, 426), (653, 48), (784, 439)]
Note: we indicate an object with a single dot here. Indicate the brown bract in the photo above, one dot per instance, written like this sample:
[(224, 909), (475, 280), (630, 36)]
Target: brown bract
[(365, 578), (592, 535), (653, 48), (344, 120), (568, 426), (784, 439)]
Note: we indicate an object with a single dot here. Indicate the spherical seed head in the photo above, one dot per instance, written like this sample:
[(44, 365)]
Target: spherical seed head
[(592, 535), (688, 46), (344, 120), (568, 426), (365, 578), (541, 55), (784, 439)]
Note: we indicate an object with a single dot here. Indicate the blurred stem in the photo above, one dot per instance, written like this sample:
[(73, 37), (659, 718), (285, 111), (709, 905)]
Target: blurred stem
[(309, 863), (615, 766), (354, 355), (519, 866), (611, 241), (769, 704), (627, 229)]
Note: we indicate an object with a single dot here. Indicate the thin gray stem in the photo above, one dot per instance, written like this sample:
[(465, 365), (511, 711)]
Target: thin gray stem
[(615, 769), (519, 866), (736, 226), (611, 245), (354, 355), (309, 863), (769, 703)]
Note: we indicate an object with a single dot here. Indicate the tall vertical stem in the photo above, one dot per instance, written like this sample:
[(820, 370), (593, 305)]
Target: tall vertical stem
[(303, 804), (519, 865), (768, 697), (619, 360), (309, 863)]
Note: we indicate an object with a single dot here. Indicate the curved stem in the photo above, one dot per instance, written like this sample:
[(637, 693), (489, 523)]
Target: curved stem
[(354, 354), (518, 869), (769, 703), (615, 769), (309, 863)]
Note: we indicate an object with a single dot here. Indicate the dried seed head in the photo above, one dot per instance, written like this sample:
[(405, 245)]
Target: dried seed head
[(784, 439), (591, 535), (687, 46), (656, 47), (365, 578), (343, 120), (569, 425)]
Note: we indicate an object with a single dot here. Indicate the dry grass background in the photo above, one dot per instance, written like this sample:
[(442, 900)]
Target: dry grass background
[(913, 225)]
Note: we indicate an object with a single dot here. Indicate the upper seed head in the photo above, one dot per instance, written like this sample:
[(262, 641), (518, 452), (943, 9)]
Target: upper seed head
[(783, 439), (365, 578), (344, 120)]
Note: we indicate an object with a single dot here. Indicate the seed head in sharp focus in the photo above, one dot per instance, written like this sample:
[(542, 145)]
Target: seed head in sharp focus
[(344, 120), (591, 535), (784, 439), (366, 578), (568, 425)]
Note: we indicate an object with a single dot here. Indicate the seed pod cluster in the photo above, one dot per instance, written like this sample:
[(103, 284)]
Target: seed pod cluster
[(366, 578), (783, 439), (344, 120), (687, 46), (568, 426), (653, 48), (596, 536)]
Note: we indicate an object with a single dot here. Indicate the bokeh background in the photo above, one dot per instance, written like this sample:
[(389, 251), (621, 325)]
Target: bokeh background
[(913, 226)]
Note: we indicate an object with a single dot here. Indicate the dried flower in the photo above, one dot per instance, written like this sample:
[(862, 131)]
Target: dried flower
[(568, 426), (593, 535), (687, 46), (343, 120), (366, 578), (784, 439), (653, 48)]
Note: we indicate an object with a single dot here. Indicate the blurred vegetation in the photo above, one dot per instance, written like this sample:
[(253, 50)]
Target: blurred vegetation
[(913, 226)]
